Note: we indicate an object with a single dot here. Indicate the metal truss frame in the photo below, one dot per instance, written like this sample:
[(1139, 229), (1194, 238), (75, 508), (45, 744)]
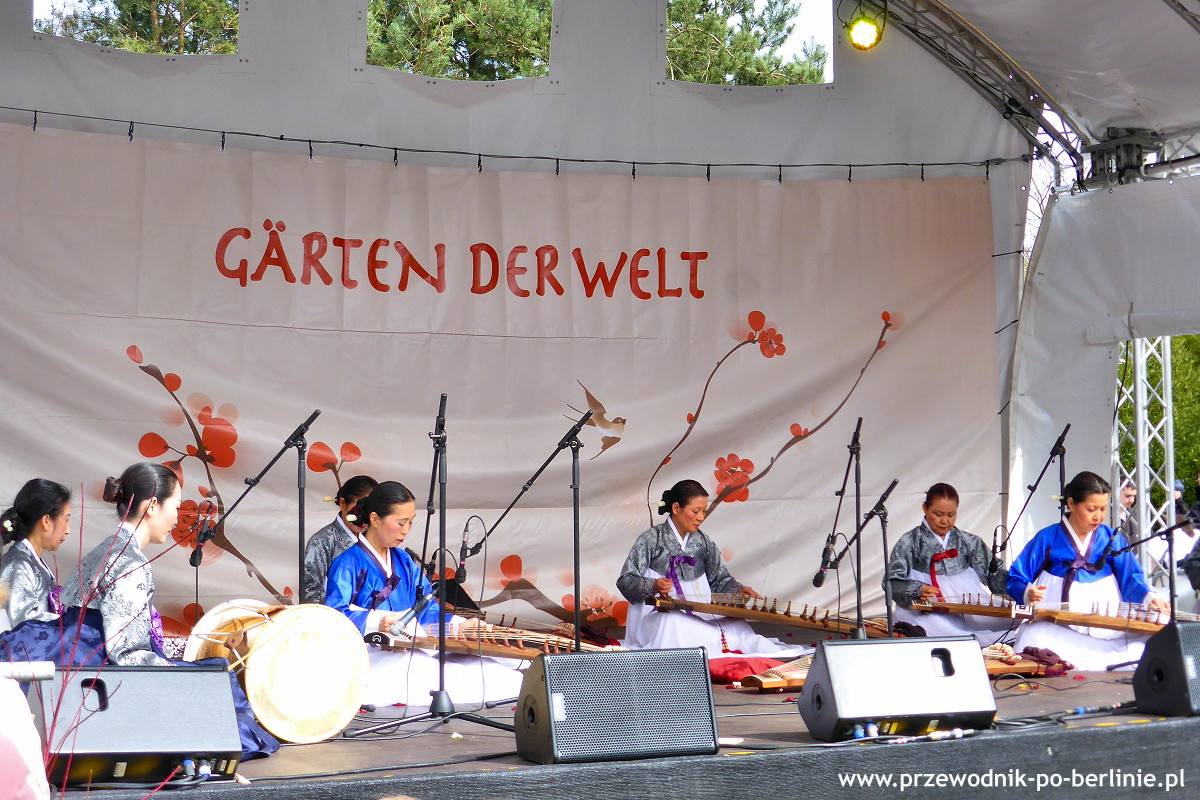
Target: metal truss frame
[(1151, 423)]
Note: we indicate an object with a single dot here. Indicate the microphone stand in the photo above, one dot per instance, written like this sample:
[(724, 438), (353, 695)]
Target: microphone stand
[(831, 539), (880, 510), (441, 707), (1165, 533), (208, 530), (571, 440), (1058, 451)]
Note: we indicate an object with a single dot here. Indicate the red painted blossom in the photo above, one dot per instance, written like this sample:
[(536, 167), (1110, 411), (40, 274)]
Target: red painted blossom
[(770, 342), (189, 514), (152, 445), (320, 457), (350, 452), (798, 430), (511, 567), (219, 436), (734, 473)]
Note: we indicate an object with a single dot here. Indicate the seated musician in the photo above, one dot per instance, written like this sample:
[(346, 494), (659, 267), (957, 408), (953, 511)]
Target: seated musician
[(676, 558), (937, 561), (114, 586), (1073, 563), (334, 539), (375, 582), (37, 523)]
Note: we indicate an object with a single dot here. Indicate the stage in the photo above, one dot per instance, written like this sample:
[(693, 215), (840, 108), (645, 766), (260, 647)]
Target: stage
[(770, 754)]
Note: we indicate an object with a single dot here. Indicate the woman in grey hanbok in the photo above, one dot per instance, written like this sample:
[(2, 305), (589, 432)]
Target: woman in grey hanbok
[(37, 523), (115, 585), (334, 539), (115, 577), (677, 559), (937, 561)]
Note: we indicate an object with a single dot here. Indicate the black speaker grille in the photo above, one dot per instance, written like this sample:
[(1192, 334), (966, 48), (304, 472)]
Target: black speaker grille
[(630, 704), (1189, 646)]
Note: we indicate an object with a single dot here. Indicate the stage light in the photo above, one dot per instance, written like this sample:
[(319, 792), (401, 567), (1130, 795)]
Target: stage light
[(865, 23), (864, 33)]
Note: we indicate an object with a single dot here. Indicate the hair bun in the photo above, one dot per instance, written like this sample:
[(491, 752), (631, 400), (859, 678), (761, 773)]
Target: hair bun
[(112, 490)]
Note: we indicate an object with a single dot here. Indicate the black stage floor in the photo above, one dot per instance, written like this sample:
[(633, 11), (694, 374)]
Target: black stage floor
[(1114, 756)]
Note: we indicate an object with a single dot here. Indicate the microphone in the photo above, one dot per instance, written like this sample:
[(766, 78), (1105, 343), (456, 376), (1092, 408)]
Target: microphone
[(571, 434), (23, 671), (399, 625), (827, 557), (1058, 448), (460, 574), (302, 429), (878, 509)]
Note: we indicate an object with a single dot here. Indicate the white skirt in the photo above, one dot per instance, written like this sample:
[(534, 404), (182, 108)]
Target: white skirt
[(1091, 649), (986, 630), (648, 628), (407, 677)]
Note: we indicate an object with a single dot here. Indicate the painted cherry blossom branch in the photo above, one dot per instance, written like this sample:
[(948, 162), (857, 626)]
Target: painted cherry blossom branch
[(730, 488)]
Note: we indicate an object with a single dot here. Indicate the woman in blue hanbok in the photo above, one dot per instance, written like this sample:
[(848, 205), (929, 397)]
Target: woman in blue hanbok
[(375, 582), (334, 539), (1073, 565)]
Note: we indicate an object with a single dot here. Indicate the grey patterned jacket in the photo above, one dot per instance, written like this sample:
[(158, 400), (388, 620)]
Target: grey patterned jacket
[(654, 548), (115, 577), (323, 547), (915, 549), (29, 584)]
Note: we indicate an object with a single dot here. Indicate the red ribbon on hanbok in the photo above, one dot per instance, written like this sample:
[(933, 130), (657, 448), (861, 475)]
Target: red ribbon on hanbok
[(951, 553)]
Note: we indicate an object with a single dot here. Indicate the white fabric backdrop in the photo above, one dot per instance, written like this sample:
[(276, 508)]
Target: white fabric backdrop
[(1108, 266), (107, 244)]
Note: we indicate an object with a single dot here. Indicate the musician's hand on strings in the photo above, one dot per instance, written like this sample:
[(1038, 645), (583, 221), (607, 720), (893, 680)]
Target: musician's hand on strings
[(473, 624), (388, 620), (746, 590), (663, 587), (1156, 603), (928, 594), (1034, 594)]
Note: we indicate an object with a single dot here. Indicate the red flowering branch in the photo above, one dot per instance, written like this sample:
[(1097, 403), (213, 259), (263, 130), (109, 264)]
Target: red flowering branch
[(202, 453), (770, 344), (738, 489)]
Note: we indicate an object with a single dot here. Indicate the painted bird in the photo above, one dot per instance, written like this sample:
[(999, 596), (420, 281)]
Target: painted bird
[(615, 427)]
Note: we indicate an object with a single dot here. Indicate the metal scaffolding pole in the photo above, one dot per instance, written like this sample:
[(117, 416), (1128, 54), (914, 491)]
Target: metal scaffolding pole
[(1145, 400)]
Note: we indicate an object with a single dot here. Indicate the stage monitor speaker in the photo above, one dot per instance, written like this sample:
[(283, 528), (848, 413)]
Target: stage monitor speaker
[(902, 686), (616, 705), (135, 724), (1167, 678)]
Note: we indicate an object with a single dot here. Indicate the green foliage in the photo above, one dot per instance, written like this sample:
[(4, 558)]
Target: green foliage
[(1185, 392), (729, 42), (482, 40), (186, 27), (708, 41)]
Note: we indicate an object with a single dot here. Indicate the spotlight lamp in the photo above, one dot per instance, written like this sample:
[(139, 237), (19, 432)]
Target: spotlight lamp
[(864, 21)]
